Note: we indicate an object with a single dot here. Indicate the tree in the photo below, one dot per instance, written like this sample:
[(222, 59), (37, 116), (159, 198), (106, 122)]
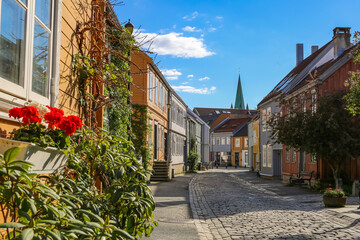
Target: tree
[(331, 133)]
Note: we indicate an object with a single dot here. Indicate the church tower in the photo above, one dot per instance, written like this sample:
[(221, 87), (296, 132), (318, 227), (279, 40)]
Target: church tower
[(239, 100)]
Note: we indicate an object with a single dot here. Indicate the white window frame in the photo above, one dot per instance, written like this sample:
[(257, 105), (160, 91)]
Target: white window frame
[(24, 93), (227, 140), (269, 155), (246, 142), (223, 141), (218, 141)]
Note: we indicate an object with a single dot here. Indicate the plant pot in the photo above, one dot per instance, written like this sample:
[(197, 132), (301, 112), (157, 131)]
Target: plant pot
[(334, 201), (45, 160)]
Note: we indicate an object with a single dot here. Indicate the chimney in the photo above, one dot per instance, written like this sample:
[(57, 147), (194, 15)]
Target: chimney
[(299, 53), (341, 40), (314, 48)]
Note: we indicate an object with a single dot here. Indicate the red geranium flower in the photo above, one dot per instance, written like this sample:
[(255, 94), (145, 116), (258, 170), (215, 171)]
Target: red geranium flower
[(15, 112), (53, 118), (30, 115), (76, 120), (67, 125)]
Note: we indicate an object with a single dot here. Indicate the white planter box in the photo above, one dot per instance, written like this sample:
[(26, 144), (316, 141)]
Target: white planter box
[(45, 161)]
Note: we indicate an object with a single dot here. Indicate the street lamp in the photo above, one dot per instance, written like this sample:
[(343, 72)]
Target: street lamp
[(130, 27)]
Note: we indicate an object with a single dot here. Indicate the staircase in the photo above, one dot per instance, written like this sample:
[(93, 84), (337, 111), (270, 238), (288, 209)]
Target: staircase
[(162, 171)]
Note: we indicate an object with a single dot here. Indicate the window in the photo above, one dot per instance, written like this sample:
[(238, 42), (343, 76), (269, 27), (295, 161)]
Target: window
[(269, 155), (213, 141), (151, 85), (264, 153), (246, 142), (223, 141), (313, 158), (160, 95), (293, 155), (303, 103), (228, 140), (263, 119), (287, 155), (217, 141), (237, 142), (26, 41), (313, 101), (156, 89)]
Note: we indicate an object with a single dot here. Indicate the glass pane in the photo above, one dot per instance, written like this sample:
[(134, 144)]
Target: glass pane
[(43, 11), (40, 73), (12, 41)]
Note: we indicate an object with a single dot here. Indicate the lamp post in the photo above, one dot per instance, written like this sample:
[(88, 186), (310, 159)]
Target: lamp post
[(130, 27)]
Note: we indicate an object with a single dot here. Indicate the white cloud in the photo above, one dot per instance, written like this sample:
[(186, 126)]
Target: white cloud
[(212, 29), (204, 79), (174, 44), (171, 72), (185, 83), (219, 17), (191, 17), (190, 76), (190, 29), (190, 89)]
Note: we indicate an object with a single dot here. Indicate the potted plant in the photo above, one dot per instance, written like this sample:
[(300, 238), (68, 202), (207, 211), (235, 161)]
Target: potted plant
[(42, 137), (334, 198)]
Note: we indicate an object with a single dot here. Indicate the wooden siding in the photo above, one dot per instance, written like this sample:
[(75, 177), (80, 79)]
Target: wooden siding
[(73, 12)]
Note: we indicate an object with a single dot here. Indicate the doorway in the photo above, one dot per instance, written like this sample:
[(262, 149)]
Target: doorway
[(155, 141), (236, 159)]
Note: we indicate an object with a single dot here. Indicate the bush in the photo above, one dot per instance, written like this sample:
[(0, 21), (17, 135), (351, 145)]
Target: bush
[(193, 160)]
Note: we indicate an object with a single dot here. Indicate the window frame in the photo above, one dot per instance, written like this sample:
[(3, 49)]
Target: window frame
[(25, 93)]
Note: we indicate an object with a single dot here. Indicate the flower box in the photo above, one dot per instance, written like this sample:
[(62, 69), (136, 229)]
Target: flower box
[(334, 201), (45, 161)]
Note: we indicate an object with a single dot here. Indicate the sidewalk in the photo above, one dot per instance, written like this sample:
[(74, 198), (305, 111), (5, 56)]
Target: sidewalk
[(172, 210)]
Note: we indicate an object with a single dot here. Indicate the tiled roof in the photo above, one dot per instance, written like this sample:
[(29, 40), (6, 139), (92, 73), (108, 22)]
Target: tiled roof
[(231, 125)]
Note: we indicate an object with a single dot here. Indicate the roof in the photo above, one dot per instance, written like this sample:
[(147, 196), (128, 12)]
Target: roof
[(242, 131), (211, 111), (230, 125), (239, 100), (196, 117), (326, 69), (296, 75)]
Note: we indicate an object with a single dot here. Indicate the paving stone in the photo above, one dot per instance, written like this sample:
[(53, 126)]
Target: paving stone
[(226, 206)]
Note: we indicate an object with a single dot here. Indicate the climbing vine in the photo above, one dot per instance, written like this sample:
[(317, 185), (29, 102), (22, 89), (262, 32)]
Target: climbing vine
[(140, 130)]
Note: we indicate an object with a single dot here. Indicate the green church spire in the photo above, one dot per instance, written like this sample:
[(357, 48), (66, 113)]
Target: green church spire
[(239, 101)]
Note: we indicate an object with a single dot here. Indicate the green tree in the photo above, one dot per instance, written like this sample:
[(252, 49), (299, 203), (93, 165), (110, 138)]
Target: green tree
[(331, 133)]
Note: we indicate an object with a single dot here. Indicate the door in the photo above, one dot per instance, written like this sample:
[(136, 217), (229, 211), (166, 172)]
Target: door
[(236, 159), (165, 146), (277, 163), (155, 141), (302, 162)]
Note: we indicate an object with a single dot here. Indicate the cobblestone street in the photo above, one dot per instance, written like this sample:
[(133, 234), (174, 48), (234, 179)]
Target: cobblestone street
[(227, 204)]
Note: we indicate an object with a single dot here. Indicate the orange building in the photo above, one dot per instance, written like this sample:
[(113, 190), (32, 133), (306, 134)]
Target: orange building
[(151, 89), (240, 144)]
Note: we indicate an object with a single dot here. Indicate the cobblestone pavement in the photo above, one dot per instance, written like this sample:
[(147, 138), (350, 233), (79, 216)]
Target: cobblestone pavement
[(226, 206)]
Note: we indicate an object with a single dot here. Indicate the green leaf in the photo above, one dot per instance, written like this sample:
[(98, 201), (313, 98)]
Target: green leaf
[(11, 225), (123, 233), (50, 233), (11, 154), (68, 202), (91, 214), (27, 234)]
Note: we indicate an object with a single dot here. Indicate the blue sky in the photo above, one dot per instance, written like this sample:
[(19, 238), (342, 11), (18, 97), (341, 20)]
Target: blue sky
[(202, 44)]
